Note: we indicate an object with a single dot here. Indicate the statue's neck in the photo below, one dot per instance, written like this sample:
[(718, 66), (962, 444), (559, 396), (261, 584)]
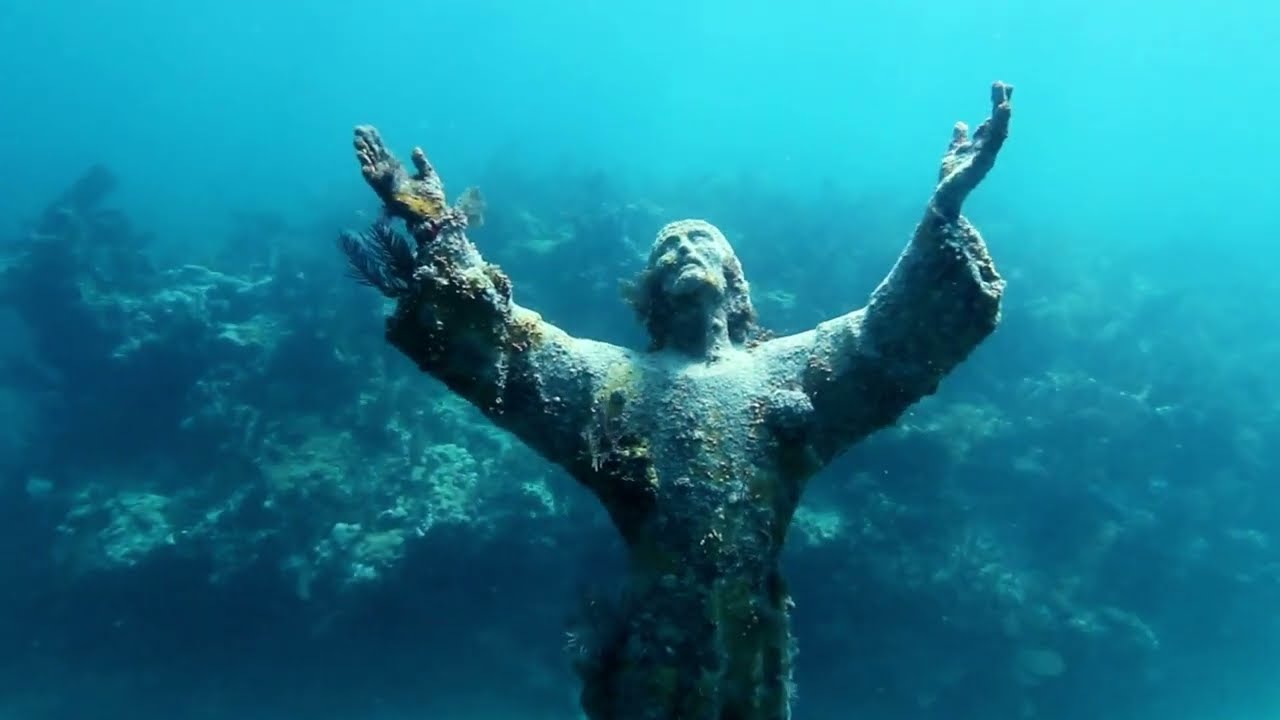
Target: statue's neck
[(701, 332)]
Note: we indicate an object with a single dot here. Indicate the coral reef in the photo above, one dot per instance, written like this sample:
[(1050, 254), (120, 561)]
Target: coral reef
[(244, 418)]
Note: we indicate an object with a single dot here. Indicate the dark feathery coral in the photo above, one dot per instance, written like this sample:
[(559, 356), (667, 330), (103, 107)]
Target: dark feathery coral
[(380, 257)]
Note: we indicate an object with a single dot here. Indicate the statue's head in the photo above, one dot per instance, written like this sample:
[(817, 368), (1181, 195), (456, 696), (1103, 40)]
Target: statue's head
[(693, 275)]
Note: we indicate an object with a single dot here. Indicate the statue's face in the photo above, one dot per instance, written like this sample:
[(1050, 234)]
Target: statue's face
[(689, 258)]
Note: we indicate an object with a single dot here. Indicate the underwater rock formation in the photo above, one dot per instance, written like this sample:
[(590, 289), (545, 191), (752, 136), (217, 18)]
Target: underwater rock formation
[(242, 417), (700, 448)]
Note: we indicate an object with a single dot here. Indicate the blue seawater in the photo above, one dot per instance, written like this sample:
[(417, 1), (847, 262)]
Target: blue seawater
[(224, 496)]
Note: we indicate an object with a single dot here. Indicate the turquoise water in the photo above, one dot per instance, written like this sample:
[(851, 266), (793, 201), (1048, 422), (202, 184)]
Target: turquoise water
[(224, 496)]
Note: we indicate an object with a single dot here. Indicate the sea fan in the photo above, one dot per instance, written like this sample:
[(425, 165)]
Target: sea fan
[(380, 257)]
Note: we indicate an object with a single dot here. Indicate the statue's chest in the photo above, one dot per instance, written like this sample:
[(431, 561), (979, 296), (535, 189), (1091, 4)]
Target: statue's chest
[(706, 449), (737, 412), (700, 438), (704, 416)]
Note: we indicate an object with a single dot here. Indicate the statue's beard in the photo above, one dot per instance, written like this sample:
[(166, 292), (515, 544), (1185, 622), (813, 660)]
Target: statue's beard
[(694, 280)]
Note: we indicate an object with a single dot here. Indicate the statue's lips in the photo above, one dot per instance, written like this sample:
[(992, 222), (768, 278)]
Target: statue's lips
[(687, 273), (689, 278)]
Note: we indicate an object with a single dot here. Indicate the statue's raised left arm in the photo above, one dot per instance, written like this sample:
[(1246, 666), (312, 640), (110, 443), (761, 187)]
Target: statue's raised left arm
[(455, 317), (940, 300)]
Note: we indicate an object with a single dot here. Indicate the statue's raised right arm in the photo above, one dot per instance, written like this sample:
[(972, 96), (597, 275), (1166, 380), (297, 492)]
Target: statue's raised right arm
[(940, 300), (455, 317)]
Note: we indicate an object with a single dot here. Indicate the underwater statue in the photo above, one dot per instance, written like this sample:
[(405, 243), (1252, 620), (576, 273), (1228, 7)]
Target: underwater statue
[(699, 448)]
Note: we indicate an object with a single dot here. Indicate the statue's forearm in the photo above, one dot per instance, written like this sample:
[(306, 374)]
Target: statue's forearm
[(943, 296), (517, 369), (939, 301), (454, 314)]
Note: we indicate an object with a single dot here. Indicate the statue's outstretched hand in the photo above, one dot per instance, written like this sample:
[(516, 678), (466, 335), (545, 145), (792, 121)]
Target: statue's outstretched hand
[(417, 198), (968, 159)]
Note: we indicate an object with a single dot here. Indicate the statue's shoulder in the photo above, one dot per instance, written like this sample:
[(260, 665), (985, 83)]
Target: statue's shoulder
[(785, 353), (601, 359)]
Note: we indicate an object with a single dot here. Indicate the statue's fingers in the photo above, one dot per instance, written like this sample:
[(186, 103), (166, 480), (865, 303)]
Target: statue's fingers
[(422, 164), (998, 124), (1001, 107), (980, 135), (370, 149), (1001, 94), (959, 137)]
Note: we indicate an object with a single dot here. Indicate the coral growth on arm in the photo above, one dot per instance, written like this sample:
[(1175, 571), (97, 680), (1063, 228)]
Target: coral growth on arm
[(940, 300), (455, 317)]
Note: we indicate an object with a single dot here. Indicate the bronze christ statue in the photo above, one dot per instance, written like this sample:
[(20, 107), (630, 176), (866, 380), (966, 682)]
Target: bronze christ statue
[(699, 447)]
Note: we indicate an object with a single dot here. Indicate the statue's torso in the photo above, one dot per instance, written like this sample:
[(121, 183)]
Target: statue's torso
[(713, 453), (701, 466)]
